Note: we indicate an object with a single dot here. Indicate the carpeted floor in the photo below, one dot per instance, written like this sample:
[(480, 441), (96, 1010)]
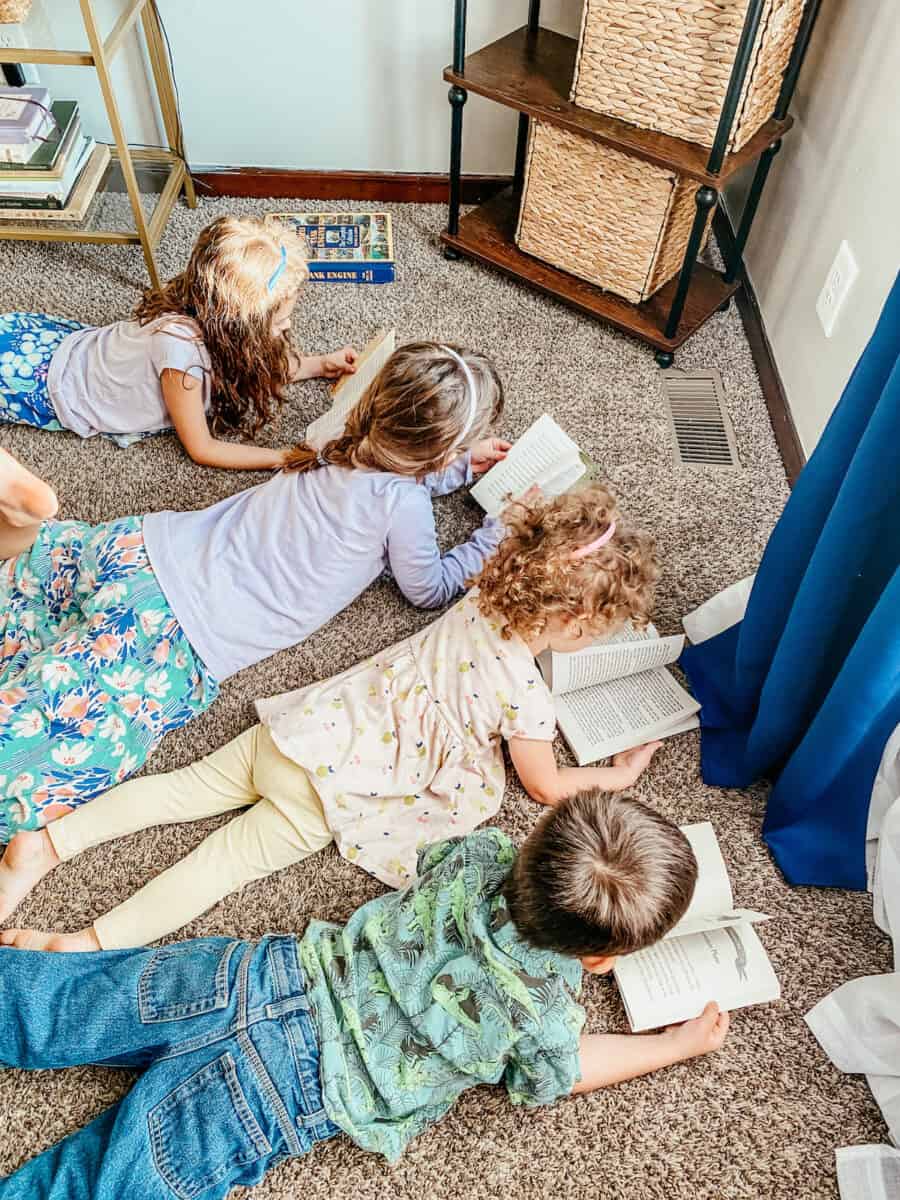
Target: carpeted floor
[(761, 1118)]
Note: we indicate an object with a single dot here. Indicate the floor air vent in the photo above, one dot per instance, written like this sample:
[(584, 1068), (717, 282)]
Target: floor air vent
[(701, 431)]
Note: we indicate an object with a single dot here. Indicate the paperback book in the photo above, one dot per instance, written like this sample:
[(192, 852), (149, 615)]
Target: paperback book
[(78, 202), (345, 247), (25, 121), (52, 193), (713, 953), (545, 456), (617, 693), (348, 390)]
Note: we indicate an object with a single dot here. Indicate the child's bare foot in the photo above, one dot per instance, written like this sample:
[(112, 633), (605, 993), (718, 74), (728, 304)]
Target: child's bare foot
[(24, 499), (28, 858), (36, 939)]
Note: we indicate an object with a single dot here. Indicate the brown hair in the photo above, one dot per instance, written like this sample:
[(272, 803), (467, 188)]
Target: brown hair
[(224, 292), (414, 414), (532, 577), (600, 874)]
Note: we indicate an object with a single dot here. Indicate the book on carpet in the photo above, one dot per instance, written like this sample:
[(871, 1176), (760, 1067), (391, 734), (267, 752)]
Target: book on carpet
[(713, 953), (544, 456), (345, 247), (49, 160), (617, 693), (349, 388), (25, 120), (79, 201), (51, 194)]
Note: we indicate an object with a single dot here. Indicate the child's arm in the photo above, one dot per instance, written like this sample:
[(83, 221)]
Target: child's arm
[(323, 366), (608, 1058), (426, 577), (182, 395), (548, 783)]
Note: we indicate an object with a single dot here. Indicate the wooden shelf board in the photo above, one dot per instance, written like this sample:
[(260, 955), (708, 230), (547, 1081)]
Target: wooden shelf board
[(532, 72), (486, 235)]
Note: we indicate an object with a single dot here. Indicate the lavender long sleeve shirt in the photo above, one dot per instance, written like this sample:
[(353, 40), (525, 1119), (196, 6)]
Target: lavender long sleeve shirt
[(263, 569)]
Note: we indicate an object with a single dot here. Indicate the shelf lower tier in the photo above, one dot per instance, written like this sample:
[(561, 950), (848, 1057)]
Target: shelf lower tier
[(486, 235)]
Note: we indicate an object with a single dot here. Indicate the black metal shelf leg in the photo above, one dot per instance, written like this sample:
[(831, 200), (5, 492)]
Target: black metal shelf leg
[(705, 199), (457, 97), (760, 175)]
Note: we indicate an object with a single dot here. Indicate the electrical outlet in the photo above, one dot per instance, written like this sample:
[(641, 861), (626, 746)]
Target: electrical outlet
[(839, 281)]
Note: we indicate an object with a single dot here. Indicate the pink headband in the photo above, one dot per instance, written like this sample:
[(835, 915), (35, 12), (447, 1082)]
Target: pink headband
[(582, 551)]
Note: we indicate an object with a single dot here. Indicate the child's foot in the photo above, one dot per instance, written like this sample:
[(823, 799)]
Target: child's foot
[(28, 858), (24, 499), (36, 939)]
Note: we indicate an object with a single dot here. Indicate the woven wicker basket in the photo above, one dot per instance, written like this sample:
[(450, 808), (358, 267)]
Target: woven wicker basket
[(666, 65), (604, 216), (12, 11)]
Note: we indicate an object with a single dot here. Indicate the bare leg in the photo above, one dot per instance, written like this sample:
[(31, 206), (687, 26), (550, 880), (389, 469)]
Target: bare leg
[(28, 858), (25, 501)]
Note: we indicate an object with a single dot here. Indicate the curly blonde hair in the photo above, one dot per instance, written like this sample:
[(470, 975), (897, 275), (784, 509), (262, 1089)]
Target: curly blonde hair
[(224, 293), (414, 413), (533, 579)]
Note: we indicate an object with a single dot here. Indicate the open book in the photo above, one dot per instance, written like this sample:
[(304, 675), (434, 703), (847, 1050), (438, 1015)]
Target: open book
[(349, 389), (713, 952), (543, 455), (617, 693)]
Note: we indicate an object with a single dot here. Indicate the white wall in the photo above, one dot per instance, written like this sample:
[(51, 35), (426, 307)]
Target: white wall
[(340, 85), (356, 85), (836, 177)]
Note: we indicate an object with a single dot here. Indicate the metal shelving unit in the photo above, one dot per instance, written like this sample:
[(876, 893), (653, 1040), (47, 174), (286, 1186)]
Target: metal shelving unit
[(531, 71)]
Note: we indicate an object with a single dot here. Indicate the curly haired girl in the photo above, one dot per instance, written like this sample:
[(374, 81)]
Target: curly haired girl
[(207, 353), (392, 754)]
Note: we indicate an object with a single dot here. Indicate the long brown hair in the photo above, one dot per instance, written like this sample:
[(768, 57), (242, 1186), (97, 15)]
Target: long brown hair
[(414, 414), (226, 295)]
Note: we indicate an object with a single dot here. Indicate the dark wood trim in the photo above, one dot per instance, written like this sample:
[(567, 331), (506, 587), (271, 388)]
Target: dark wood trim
[(766, 368), (387, 186)]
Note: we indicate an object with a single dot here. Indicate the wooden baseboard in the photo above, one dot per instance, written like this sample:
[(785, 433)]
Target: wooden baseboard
[(388, 186), (783, 425)]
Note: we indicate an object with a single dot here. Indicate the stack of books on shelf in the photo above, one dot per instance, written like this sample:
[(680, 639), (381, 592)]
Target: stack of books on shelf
[(49, 168)]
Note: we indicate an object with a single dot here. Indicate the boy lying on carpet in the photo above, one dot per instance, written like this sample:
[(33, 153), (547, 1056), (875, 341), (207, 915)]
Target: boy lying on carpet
[(250, 1052)]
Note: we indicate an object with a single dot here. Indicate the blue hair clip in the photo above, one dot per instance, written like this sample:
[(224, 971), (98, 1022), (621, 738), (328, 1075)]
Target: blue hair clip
[(279, 270)]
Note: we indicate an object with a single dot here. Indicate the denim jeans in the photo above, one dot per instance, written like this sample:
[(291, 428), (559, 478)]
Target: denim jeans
[(222, 1035)]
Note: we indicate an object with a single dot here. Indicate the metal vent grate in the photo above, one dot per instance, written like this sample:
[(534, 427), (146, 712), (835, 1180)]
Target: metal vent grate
[(701, 431)]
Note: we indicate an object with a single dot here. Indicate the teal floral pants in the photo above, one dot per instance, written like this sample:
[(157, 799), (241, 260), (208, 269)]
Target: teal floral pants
[(94, 669)]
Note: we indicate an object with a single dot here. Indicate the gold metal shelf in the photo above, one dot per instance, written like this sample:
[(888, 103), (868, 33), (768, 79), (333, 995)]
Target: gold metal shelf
[(102, 51)]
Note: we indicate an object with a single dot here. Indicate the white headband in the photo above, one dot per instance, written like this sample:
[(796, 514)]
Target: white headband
[(473, 396)]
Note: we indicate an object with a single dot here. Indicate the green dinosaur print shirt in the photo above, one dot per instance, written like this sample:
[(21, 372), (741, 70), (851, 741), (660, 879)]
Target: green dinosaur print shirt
[(429, 991)]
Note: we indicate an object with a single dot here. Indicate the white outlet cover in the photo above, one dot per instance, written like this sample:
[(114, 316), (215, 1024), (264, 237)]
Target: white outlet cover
[(840, 279)]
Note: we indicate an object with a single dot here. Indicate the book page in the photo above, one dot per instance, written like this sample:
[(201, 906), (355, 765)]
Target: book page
[(713, 893), (672, 980), (544, 455), (627, 653), (348, 390), (602, 720)]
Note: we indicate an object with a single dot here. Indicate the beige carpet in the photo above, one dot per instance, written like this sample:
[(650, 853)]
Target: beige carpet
[(760, 1119)]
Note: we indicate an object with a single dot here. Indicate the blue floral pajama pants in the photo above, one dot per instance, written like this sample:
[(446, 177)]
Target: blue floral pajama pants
[(27, 343), (94, 669)]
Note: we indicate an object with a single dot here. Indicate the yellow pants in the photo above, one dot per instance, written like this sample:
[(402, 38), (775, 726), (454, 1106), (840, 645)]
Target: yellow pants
[(284, 825)]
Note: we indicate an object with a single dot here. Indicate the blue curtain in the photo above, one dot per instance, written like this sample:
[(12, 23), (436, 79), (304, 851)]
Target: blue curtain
[(805, 691)]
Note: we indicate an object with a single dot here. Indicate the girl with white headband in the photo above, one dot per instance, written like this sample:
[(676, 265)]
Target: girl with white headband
[(396, 752), (112, 635)]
